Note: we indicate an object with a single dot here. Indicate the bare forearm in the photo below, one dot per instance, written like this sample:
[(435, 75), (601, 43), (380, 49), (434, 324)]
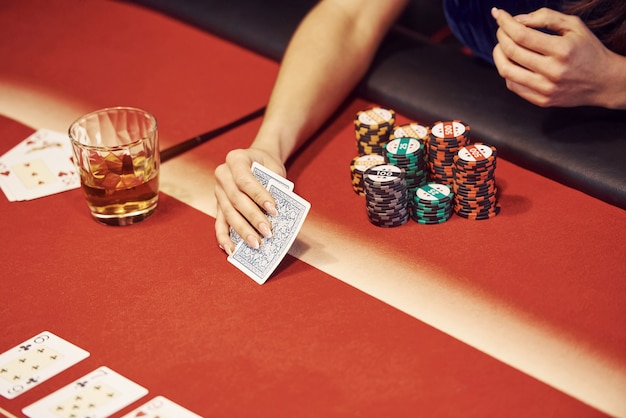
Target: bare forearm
[(322, 65)]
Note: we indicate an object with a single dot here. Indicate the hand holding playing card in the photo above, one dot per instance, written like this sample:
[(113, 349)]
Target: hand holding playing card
[(260, 263)]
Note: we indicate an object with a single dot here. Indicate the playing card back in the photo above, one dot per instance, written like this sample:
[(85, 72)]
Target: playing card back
[(260, 263)]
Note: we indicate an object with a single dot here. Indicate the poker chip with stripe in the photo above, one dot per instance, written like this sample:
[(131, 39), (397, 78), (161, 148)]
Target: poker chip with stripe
[(432, 204), (373, 128), (358, 166), (386, 196), (446, 139), (408, 154), (411, 130), (475, 183)]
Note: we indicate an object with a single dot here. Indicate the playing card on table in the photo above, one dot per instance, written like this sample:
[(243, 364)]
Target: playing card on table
[(35, 361), (98, 394), (161, 407), (38, 166), (263, 175), (260, 263)]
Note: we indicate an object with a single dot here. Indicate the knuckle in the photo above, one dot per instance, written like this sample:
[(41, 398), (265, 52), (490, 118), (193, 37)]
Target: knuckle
[(234, 155)]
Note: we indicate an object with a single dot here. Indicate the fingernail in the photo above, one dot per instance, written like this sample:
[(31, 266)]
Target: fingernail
[(226, 250), (265, 230), (270, 208), (253, 242), (494, 12)]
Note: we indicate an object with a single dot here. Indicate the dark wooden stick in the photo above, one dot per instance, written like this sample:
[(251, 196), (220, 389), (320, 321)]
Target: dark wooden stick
[(176, 150)]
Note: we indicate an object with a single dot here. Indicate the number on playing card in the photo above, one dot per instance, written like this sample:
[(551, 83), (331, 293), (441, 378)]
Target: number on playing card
[(34, 361), (98, 394)]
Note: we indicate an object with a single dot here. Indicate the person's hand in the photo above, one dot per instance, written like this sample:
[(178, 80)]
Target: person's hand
[(568, 67), (242, 202)]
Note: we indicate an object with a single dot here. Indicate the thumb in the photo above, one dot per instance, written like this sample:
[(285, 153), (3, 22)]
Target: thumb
[(545, 18)]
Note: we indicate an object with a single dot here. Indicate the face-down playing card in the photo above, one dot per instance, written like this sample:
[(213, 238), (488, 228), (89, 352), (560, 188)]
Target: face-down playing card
[(260, 263), (35, 361)]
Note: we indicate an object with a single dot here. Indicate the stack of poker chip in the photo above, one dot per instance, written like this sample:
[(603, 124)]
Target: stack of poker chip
[(373, 128), (386, 196), (446, 139), (474, 182), (432, 204), (408, 154), (358, 166)]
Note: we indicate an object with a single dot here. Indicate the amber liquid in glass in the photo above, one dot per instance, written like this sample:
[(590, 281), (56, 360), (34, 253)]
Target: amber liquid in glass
[(120, 186)]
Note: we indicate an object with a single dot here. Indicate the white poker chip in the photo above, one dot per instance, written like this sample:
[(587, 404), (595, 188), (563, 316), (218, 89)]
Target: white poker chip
[(412, 130), (384, 173), (375, 116), (452, 129), (403, 145), (364, 162), (475, 152), (433, 191)]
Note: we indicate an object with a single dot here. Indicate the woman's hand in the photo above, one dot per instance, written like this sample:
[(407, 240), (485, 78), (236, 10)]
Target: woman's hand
[(567, 67), (240, 198)]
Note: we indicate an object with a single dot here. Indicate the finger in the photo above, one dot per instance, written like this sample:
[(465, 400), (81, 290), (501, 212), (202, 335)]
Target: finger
[(524, 36), (239, 164), (232, 217), (239, 210), (552, 20), (222, 233), (529, 94), (519, 80), (518, 54)]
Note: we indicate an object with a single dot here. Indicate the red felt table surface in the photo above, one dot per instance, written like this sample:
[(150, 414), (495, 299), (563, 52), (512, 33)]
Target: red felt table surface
[(186, 324), (159, 303), (80, 56)]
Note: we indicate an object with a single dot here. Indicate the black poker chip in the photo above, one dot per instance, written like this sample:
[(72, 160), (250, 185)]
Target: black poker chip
[(386, 195)]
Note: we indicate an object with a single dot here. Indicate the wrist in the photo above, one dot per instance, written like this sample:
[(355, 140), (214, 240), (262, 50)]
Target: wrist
[(614, 92)]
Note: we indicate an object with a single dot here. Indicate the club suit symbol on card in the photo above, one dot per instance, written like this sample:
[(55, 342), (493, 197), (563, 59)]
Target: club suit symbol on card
[(101, 393), (34, 361)]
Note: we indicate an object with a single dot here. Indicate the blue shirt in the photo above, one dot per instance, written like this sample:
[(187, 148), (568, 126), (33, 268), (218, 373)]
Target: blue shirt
[(471, 21)]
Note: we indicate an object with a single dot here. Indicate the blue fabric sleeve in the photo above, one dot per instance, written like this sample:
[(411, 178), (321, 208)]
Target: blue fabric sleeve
[(471, 22)]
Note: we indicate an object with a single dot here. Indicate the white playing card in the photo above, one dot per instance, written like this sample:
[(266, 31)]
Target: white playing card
[(161, 407), (98, 394), (260, 263), (263, 175), (38, 166), (35, 361)]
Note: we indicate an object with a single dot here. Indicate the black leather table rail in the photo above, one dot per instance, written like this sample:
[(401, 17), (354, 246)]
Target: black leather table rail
[(584, 148)]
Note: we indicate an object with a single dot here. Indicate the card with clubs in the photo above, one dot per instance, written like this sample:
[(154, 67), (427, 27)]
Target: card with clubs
[(34, 361)]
